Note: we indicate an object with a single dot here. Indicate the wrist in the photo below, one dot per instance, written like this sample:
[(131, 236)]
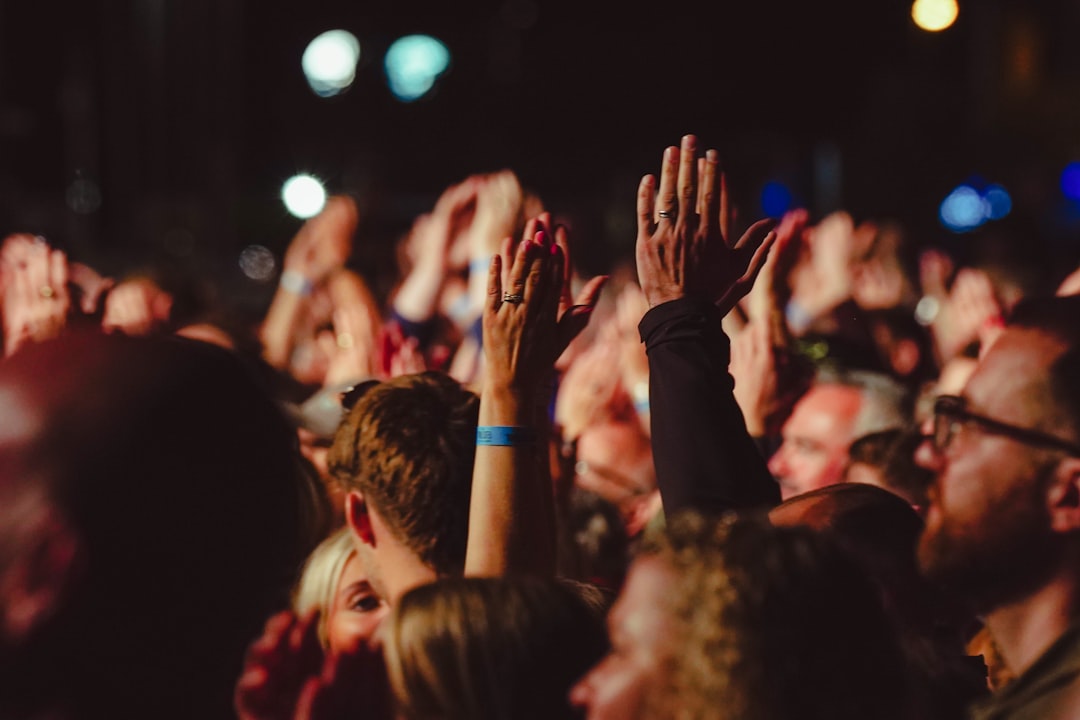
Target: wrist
[(503, 405), (505, 435), (295, 282)]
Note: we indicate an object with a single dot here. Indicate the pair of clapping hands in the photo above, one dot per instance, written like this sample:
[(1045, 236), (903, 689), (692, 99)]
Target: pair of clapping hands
[(41, 292), (684, 249)]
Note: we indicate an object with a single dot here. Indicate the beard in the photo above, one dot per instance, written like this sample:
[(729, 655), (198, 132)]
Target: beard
[(997, 556)]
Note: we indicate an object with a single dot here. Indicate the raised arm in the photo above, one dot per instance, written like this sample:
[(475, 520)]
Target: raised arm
[(322, 245), (691, 276), (526, 326)]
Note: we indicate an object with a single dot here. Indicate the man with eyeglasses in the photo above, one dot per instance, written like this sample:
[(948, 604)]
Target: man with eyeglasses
[(1003, 525)]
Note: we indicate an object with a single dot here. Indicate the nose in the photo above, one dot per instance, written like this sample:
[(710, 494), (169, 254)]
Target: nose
[(926, 454), (778, 465), (581, 692)]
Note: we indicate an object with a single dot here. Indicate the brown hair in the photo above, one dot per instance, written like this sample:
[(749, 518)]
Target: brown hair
[(408, 445), (506, 648)]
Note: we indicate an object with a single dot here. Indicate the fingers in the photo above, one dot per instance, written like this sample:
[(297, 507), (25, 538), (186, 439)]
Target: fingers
[(574, 320), (494, 289), (726, 218), (757, 260), (708, 198), (538, 280), (590, 294), (515, 284), (686, 185), (666, 197), (699, 202), (646, 197), (562, 240)]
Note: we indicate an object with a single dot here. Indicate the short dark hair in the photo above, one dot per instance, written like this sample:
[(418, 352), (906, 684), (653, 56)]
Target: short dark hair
[(893, 452), (408, 445), (1059, 317)]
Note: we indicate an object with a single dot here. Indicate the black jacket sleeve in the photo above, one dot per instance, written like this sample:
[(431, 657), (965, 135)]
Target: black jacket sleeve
[(705, 459)]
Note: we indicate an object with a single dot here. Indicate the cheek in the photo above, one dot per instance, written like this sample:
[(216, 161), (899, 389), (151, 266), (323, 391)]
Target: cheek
[(618, 690), (347, 631)]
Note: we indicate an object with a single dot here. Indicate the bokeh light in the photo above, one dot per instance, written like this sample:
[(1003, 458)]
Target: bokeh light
[(964, 209), (329, 62), (1070, 181), (83, 196), (413, 63), (999, 200), (775, 199), (970, 205), (257, 262), (934, 15), (304, 196)]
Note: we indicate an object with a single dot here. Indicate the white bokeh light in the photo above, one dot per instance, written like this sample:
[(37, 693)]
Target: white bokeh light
[(304, 196), (413, 63), (329, 62), (257, 262), (934, 15)]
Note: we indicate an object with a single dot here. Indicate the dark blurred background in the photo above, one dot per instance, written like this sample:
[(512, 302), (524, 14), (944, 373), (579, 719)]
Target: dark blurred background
[(162, 130)]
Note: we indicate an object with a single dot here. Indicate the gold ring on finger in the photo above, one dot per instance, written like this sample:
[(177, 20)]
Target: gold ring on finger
[(46, 291)]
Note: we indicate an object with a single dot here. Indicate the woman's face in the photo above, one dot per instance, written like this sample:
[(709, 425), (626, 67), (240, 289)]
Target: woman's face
[(356, 610)]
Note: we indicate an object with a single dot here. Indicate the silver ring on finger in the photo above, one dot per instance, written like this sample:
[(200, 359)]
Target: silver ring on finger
[(513, 298), (666, 213)]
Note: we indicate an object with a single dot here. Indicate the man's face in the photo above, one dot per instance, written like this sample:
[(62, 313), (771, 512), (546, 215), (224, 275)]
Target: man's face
[(391, 567), (816, 439), (618, 685), (988, 519)]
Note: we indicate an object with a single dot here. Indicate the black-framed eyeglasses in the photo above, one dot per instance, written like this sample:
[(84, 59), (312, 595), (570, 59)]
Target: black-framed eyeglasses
[(950, 413)]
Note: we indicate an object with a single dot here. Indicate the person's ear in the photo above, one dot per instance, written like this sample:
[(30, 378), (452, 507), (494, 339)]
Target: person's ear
[(1063, 498), (358, 518), (36, 583)]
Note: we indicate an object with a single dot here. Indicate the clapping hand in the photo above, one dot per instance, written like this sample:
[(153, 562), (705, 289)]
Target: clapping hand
[(529, 324), (36, 299)]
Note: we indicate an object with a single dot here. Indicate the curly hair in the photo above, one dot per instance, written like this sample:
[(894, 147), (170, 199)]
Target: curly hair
[(772, 623)]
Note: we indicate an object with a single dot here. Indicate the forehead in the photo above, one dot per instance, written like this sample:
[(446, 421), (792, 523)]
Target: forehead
[(1012, 380), (825, 409), (639, 611)]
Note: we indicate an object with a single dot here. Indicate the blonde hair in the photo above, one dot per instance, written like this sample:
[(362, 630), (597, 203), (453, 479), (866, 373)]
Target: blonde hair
[(320, 577), (771, 623)]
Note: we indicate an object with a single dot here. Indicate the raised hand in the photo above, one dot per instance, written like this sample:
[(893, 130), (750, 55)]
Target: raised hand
[(278, 666), (36, 299), (529, 325), (286, 677), (324, 242), (136, 307), (682, 250)]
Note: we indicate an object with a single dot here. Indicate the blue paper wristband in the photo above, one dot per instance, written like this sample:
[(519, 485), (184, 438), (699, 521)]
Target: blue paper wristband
[(504, 435)]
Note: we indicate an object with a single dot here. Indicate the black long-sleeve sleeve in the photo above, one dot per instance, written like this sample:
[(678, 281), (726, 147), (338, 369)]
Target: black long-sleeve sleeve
[(705, 459)]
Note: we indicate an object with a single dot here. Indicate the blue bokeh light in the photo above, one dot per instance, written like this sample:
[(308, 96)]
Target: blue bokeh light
[(413, 63), (776, 199), (999, 201), (1070, 181), (964, 209)]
